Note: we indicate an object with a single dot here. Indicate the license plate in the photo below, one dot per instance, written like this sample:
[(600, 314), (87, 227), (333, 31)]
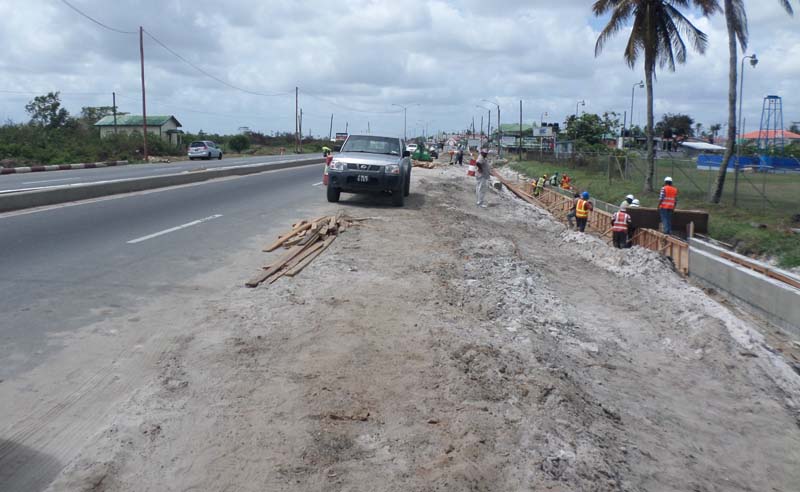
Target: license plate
[(362, 179)]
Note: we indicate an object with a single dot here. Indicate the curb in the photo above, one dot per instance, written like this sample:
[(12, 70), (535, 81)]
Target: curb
[(60, 167), (40, 198)]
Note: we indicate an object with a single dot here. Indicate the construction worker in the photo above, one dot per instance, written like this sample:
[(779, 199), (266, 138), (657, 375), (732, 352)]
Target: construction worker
[(460, 156), (582, 208), (571, 213), (554, 179), (627, 202), (482, 175), (566, 182), (539, 185), (667, 201), (636, 203), (620, 221)]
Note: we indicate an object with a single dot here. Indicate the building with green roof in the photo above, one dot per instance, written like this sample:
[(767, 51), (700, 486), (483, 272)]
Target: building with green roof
[(166, 127)]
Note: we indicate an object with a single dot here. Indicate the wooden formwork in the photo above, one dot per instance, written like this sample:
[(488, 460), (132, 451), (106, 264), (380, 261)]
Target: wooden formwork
[(600, 223)]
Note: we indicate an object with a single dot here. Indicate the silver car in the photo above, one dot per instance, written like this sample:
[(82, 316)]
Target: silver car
[(204, 149)]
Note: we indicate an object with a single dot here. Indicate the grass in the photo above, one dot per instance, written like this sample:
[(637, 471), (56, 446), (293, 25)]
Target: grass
[(755, 227)]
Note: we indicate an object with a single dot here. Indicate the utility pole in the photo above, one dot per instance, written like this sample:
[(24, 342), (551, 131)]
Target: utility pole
[(144, 99), (297, 119), (346, 126), (481, 127), (368, 130), (114, 109), (300, 128), (520, 129), (330, 132)]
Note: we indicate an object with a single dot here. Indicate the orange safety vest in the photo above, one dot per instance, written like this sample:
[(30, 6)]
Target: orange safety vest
[(670, 197), (581, 209), (620, 222)]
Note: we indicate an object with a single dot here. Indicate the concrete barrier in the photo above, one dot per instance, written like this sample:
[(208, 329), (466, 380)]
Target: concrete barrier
[(776, 300), (40, 198)]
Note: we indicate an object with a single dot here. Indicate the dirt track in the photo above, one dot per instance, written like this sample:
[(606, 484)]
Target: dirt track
[(447, 347)]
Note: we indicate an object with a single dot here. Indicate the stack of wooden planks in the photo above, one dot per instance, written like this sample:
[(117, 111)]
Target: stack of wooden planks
[(304, 242)]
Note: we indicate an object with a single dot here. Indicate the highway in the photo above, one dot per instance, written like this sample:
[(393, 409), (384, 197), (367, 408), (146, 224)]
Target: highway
[(10, 183), (64, 267)]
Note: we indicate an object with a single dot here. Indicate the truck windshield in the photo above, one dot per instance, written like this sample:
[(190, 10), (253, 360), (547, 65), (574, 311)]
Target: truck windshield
[(372, 145)]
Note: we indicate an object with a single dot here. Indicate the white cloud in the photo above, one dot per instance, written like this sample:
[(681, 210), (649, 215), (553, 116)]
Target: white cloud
[(369, 55)]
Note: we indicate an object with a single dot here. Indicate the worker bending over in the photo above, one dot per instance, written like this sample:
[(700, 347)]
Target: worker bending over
[(621, 221)]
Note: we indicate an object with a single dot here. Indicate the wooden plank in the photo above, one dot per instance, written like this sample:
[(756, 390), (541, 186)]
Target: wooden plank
[(300, 266), (285, 237), (297, 259), (274, 267)]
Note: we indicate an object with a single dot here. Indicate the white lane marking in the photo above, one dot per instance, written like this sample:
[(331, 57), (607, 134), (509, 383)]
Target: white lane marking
[(317, 184), (48, 181), (173, 229)]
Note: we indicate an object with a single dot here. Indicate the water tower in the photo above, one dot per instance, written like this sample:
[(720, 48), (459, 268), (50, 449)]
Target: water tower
[(770, 134)]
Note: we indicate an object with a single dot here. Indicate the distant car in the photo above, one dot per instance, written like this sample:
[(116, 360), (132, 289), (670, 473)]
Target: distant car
[(204, 149), (370, 164), (412, 147)]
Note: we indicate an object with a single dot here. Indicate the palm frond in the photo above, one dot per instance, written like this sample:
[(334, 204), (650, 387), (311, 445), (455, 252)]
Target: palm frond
[(618, 19)]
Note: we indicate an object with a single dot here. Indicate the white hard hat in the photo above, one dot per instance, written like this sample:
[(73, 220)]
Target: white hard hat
[(668, 178), (629, 197), (636, 202)]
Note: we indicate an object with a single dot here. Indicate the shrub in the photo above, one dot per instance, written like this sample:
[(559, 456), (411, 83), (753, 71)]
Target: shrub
[(238, 143)]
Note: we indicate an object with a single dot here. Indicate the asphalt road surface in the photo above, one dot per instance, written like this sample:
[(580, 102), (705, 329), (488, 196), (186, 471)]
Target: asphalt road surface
[(53, 179), (64, 267)]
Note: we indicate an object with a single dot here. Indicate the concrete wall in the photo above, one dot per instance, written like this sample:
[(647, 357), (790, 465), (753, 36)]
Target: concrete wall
[(776, 300)]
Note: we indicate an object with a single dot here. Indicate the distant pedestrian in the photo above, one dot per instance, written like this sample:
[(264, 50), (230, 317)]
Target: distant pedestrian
[(482, 175), (460, 156), (582, 208), (620, 221), (667, 201), (571, 213)]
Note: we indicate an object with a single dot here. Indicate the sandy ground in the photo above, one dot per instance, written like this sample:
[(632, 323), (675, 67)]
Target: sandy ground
[(438, 347)]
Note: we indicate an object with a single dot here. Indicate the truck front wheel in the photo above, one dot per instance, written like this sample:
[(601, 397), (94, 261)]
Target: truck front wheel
[(333, 194)]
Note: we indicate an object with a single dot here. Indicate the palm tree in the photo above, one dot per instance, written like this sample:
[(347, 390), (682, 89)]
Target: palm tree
[(715, 128), (736, 20), (656, 34)]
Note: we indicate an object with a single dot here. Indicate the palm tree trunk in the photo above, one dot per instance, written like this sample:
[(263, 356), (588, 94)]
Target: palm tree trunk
[(732, 79), (651, 151)]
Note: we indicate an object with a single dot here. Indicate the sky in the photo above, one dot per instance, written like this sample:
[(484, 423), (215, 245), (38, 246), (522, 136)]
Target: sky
[(358, 59)]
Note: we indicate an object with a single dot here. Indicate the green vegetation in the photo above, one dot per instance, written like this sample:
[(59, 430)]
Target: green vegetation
[(755, 227), (238, 143)]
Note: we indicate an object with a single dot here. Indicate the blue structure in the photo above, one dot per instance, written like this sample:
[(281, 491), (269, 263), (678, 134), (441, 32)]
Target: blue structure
[(770, 133), (762, 163)]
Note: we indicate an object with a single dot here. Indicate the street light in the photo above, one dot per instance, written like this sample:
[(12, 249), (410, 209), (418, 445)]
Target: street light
[(405, 114), (580, 103), (640, 85), (753, 62), (499, 136)]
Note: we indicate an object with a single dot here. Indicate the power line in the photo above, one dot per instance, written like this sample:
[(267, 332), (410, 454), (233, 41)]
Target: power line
[(207, 74), (347, 108), (76, 9)]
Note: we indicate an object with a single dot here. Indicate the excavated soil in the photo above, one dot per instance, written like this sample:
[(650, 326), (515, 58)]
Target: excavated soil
[(447, 347)]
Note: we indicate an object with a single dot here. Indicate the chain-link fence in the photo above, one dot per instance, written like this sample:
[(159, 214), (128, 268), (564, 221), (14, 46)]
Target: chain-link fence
[(757, 192)]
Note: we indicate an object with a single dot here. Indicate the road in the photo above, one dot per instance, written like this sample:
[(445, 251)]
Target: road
[(53, 179), (65, 267)]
